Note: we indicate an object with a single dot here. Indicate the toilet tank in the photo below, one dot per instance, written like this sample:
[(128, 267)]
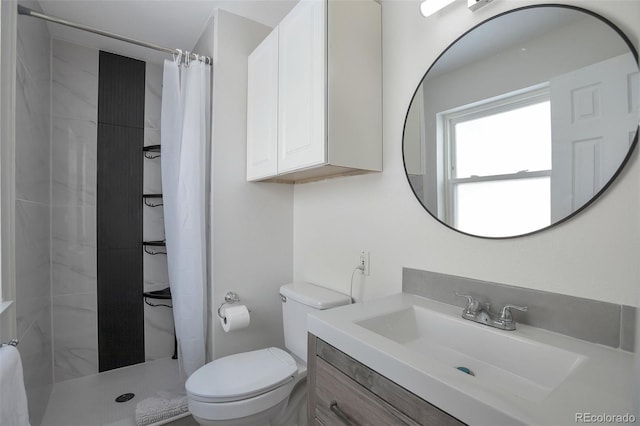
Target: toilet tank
[(298, 300)]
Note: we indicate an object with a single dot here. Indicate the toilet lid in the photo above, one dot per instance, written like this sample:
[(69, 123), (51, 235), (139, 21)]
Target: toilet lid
[(241, 376)]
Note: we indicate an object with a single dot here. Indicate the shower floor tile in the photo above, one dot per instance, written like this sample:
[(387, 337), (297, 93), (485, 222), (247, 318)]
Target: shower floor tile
[(90, 400)]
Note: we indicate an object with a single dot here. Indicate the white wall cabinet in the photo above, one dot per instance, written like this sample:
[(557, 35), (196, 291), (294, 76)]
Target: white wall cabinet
[(262, 109), (328, 108), (302, 73)]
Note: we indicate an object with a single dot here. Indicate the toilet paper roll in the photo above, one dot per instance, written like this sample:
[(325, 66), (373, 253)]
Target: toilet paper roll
[(235, 318)]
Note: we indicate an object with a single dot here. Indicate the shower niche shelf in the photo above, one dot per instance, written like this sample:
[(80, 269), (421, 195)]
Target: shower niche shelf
[(151, 151), (154, 247), (164, 294), (152, 200), (154, 299)]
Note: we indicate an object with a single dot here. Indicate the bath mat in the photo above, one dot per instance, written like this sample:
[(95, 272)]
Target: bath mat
[(155, 411)]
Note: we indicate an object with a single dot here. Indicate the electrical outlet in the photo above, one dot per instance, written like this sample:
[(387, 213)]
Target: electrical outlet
[(364, 262)]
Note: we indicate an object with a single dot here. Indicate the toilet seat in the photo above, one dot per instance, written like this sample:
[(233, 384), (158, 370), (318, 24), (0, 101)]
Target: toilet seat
[(241, 376)]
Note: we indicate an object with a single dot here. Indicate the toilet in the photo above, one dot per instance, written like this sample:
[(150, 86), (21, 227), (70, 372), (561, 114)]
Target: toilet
[(266, 386)]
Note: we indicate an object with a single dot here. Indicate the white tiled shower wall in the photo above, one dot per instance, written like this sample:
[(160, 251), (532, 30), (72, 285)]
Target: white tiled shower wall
[(74, 112), (56, 277), (74, 249), (32, 212)]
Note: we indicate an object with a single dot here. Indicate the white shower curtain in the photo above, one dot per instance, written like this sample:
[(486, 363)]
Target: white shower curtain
[(184, 136)]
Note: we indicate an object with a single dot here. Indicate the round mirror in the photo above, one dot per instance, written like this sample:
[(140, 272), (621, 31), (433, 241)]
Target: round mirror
[(523, 121)]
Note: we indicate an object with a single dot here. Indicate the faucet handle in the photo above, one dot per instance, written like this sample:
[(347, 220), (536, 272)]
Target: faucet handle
[(472, 303), (506, 316)]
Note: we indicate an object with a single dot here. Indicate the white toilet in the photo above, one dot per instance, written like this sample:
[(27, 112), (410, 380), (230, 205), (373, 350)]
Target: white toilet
[(267, 386)]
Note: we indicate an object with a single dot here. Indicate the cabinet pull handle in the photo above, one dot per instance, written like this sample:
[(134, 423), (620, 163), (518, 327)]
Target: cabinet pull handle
[(333, 406)]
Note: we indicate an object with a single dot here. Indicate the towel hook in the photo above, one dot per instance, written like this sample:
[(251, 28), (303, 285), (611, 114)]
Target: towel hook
[(230, 297)]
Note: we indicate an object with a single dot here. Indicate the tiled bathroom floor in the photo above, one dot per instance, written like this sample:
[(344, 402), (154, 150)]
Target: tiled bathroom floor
[(90, 400)]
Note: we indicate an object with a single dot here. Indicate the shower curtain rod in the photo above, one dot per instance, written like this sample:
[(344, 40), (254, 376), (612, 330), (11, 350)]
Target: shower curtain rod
[(30, 12)]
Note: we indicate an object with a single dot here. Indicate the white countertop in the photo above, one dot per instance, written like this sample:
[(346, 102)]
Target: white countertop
[(602, 384)]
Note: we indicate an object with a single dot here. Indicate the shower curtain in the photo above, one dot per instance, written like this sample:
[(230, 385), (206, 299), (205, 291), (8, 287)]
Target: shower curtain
[(184, 135)]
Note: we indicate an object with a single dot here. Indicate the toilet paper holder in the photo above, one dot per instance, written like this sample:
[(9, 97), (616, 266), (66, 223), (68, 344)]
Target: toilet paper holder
[(12, 342), (230, 297)]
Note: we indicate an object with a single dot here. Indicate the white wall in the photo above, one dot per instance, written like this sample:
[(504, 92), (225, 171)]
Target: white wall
[(252, 236), (594, 255)]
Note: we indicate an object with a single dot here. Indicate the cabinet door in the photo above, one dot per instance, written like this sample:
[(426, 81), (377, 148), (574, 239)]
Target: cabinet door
[(302, 87), (262, 109)]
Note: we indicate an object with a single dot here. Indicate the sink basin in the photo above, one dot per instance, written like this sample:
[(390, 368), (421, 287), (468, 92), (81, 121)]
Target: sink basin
[(526, 377), (499, 360)]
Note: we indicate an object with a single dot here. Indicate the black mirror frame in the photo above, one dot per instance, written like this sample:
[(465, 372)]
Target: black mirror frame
[(614, 176)]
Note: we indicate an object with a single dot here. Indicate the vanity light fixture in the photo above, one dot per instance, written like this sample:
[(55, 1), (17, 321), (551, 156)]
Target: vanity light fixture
[(474, 5), (429, 7)]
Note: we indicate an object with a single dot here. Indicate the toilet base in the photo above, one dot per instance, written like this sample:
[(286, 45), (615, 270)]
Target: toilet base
[(295, 413), (290, 412), (260, 419)]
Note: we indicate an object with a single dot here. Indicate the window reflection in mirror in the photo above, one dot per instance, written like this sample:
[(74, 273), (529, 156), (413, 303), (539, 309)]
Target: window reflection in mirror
[(498, 161), (523, 121)]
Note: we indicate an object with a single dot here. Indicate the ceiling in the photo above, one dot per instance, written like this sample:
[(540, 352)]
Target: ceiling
[(506, 31), (168, 23)]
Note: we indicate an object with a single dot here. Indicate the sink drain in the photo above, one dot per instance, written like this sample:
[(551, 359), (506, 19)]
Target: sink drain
[(465, 370), (125, 397)]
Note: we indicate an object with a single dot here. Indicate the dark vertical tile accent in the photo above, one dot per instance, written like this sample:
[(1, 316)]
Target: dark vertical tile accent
[(120, 309), (119, 211), (121, 90), (120, 186)]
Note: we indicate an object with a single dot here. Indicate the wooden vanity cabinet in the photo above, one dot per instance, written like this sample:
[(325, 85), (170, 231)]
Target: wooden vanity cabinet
[(342, 391)]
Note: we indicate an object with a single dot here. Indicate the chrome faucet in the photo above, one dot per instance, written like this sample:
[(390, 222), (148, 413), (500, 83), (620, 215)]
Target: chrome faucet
[(481, 313)]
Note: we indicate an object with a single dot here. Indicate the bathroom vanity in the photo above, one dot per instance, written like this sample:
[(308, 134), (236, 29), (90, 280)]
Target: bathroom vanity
[(406, 359), (340, 381)]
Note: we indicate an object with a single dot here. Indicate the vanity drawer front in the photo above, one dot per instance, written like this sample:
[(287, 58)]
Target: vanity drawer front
[(360, 406), (404, 406)]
